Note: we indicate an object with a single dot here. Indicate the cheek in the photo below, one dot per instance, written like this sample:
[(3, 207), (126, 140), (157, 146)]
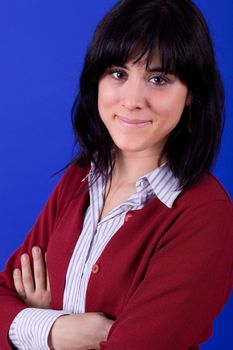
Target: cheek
[(107, 97), (171, 106)]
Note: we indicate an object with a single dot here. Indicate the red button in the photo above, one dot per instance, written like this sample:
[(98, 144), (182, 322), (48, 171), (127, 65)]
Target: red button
[(128, 216), (95, 268)]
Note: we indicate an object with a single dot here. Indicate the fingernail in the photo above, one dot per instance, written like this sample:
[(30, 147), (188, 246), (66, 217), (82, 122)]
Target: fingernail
[(35, 250), (16, 272), (24, 258)]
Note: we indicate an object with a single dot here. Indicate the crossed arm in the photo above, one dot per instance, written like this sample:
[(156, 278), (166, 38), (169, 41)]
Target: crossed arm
[(69, 332), (185, 286)]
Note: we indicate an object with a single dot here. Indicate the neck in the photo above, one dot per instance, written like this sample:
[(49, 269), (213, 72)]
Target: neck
[(129, 166)]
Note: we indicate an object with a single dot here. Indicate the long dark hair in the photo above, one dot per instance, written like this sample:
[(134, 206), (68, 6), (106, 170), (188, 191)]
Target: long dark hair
[(178, 30)]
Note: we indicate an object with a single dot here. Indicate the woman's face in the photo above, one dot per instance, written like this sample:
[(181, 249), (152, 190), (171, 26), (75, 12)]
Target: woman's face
[(140, 107)]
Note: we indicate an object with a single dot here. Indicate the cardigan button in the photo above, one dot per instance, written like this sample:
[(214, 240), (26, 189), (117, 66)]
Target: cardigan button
[(95, 268), (128, 216)]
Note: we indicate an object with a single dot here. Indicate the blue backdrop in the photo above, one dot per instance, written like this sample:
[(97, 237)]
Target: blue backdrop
[(42, 46)]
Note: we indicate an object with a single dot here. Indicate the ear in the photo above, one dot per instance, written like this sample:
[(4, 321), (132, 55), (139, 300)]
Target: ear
[(189, 99)]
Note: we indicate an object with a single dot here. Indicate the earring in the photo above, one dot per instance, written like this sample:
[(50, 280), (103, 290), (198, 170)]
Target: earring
[(189, 125)]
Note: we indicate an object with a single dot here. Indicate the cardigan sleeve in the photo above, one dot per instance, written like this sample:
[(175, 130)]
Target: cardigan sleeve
[(186, 284), (40, 234)]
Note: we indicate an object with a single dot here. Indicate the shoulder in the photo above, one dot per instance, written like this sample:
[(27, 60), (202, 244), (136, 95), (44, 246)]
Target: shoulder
[(203, 216), (74, 175), (73, 181), (206, 191), (208, 203)]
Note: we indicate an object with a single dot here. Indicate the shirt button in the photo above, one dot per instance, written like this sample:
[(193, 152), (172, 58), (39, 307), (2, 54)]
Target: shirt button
[(95, 268), (143, 183), (127, 217)]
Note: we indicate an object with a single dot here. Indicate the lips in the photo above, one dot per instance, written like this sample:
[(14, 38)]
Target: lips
[(132, 123)]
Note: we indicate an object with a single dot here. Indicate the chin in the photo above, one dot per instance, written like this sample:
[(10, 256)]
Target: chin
[(130, 149)]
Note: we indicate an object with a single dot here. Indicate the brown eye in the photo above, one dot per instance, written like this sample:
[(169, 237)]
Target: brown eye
[(117, 73), (159, 80)]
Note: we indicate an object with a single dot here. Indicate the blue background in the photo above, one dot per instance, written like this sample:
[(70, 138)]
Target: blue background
[(42, 46)]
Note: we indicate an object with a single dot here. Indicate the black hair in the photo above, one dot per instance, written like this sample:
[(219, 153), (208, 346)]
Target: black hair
[(179, 31)]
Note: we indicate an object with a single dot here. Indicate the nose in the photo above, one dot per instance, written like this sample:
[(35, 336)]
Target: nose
[(133, 96)]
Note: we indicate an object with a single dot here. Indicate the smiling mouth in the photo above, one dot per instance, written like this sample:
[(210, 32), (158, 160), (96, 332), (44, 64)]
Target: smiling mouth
[(133, 124)]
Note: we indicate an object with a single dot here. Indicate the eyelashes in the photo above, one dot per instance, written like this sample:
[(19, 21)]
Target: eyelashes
[(120, 74), (117, 73), (159, 80)]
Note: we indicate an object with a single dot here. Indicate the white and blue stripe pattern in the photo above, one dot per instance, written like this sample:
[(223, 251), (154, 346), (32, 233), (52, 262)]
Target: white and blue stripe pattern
[(95, 235)]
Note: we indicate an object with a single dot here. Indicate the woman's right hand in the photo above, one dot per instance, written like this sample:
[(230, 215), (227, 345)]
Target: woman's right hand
[(32, 285), (69, 332), (79, 332)]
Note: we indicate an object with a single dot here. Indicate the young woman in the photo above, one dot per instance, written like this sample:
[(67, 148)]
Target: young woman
[(134, 248)]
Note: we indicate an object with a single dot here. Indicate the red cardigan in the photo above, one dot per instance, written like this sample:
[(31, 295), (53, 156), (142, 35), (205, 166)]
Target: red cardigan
[(164, 276)]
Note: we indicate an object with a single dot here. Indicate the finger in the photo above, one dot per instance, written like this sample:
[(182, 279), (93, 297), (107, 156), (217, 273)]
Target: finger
[(47, 274), (18, 283), (39, 269), (27, 276)]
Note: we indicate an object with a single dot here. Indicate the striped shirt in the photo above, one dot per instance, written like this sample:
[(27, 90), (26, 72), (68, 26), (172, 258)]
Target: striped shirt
[(31, 327)]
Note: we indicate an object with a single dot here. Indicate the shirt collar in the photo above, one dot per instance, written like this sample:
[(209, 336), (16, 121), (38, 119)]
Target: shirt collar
[(163, 183), (161, 180)]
